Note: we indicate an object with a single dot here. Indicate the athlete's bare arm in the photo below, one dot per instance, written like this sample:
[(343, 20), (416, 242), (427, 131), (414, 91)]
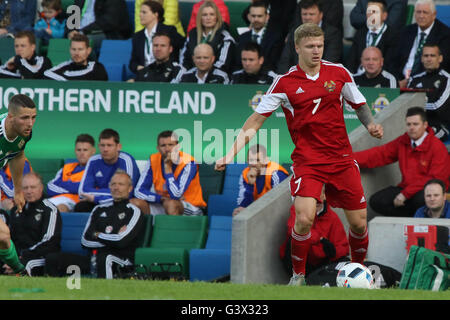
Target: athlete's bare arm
[(365, 116), (16, 166), (248, 131)]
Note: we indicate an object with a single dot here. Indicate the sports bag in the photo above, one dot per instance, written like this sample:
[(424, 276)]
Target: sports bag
[(426, 269)]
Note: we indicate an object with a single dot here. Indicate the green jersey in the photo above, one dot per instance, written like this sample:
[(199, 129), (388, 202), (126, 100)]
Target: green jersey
[(9, 148)]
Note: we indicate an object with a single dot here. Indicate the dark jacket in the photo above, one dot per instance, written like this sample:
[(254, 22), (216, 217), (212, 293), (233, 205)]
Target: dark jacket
[(108, 219), (387, 44), (215, 75), (139, 42), (264, 76), (332, 48), (271, 47), (439, 34), (22, 14), (33, 68), (70, 70), (383, 80), (111, 18), (223, 45), (438, 98), (161, 72), (37, 230)]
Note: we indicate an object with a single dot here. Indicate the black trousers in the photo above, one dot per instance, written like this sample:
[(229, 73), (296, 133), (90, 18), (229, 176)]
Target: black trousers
[(84, 206), (383, 203), (107, 260)]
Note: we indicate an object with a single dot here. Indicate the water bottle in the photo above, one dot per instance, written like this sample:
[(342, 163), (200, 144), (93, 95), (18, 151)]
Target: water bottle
[(94, 264)]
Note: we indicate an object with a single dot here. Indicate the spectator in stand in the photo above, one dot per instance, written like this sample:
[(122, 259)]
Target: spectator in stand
[(396, 13), (204, 70), (79, 67), (312, 13), (36, 231), (164, 69), (281, 15), (259, 177), (152, 17), (437, 81), (170, 183), (7, 186), (63, 189), (113, 230), (328, 239), (171, 15), (26, 64), (373, 74), (221, 6), (269, 39), (53, 22), (253, 67), (421, 157), (376, 33), (333, 14), (94, 186), (102, 19), (210, 29), (436, 205), (413, 37), (15, 16)]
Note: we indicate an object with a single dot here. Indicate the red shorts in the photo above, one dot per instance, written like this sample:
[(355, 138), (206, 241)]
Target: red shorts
[(342, 181)]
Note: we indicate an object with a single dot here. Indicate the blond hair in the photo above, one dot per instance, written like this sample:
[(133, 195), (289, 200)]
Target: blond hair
[(307, 30), (207, 4)]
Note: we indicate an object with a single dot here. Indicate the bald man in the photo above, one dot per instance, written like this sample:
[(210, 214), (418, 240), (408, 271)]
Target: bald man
[(204, 70), (373, 74)]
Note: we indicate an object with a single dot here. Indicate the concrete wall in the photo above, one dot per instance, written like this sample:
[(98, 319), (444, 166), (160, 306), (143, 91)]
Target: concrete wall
[(259, 230), (387, 236)]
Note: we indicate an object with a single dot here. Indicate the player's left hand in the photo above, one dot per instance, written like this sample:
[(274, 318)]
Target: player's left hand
[(19, 201), (375, 130), (399, 200)]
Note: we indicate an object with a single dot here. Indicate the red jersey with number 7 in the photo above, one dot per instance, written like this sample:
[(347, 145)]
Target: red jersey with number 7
[(313, 106)]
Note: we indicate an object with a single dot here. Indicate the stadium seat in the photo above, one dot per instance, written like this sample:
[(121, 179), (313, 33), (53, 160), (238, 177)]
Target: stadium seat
[(210, 180), (185, 10), (231, 179), (172, 239), (58, 50), (66, 4), (6, 49), (443, 14), (235, 8), (73, 224), (47, 168), (146, 232), (409, 13), (115, 56), (221, 204), (214, 261), (130, 8)]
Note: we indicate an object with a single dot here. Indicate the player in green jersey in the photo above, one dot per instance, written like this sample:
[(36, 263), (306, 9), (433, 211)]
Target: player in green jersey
[(15, 132)]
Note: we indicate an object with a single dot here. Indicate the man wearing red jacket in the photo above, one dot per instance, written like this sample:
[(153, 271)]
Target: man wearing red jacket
[(328, 239), (421, 157)]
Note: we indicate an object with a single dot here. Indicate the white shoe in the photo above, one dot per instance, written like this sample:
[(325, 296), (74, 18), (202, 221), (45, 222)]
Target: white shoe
[(297, 280)]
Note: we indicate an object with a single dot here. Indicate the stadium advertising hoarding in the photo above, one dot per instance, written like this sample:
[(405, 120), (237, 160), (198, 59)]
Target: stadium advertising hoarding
[(206, 117)]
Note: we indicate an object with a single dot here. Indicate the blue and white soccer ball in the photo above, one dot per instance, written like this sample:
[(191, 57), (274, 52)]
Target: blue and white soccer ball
[(355, 275)]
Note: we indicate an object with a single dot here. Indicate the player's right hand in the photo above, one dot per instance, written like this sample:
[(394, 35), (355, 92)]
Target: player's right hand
[(19, 201), (221, 164)]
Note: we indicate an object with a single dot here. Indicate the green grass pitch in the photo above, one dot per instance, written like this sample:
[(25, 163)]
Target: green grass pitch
[(43, 288)]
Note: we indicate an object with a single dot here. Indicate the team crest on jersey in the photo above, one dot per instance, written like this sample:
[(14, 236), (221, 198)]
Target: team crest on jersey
[(108, 229), (121, 215), (38, 217), (330, 85)]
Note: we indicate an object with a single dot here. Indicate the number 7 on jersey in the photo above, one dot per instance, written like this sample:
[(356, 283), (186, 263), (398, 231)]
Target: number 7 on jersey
[(317, 102)]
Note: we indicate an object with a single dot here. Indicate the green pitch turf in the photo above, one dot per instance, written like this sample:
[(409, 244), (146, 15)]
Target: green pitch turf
[(42, 288)]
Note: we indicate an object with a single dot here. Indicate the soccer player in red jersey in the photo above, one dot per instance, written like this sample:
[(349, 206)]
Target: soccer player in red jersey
[(311, 95)]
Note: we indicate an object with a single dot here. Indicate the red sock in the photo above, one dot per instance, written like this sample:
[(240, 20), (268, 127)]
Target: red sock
[(300, 245), (358, 245)]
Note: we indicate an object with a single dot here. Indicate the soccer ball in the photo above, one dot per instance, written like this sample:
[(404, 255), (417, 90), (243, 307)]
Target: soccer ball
[(355, 275)]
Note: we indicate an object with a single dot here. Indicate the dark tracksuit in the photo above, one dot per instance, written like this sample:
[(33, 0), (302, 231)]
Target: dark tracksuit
[(36, 232)]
